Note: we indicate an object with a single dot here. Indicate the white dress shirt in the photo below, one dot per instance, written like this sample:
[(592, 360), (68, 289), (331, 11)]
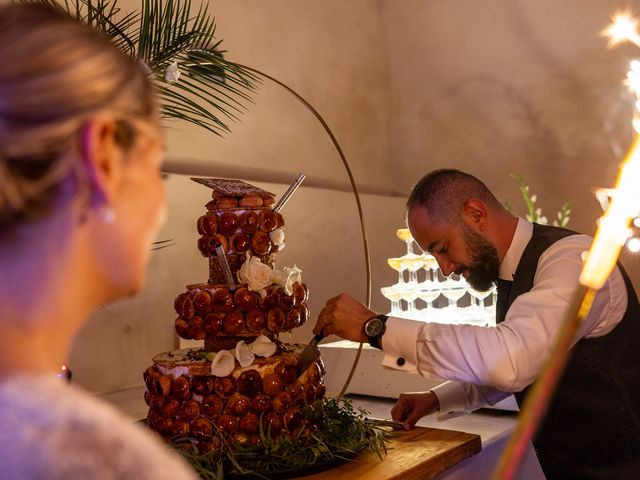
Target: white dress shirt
[(493, 362)]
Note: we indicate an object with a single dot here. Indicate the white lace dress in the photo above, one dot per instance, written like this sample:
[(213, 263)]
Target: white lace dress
[(52, 430)]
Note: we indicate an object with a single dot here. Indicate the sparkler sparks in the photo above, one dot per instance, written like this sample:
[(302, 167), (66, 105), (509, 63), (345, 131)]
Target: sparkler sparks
[(622, 209), (623, 28)]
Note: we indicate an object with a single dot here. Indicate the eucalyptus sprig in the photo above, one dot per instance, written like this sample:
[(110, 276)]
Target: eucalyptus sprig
[(178, 46), (342, 433)]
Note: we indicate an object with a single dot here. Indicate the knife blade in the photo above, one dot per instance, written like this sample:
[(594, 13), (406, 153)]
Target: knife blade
[(310, 354), (382, 422)]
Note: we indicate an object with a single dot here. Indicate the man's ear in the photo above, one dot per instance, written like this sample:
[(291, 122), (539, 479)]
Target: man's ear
[(474, 213), (101, 157)]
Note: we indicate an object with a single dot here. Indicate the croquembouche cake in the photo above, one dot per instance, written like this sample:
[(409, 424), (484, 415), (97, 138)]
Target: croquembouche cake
[(245, 379)]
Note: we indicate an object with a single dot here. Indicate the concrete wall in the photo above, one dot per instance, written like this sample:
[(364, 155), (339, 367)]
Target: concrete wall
[(510, 87), (494, 88)]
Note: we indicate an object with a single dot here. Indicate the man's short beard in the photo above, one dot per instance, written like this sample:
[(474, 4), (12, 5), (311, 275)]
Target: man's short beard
[(484, 265)]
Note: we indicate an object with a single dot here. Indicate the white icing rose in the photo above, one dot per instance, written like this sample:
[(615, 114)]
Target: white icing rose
[(278, 277), (287, 277), (255, 274), (277, 238), (222, 364), (263, 347), (244, 355), (172, 74)]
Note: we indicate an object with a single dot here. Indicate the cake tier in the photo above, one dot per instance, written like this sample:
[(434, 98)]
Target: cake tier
[(185, 400), (218, 315), (258, 231)]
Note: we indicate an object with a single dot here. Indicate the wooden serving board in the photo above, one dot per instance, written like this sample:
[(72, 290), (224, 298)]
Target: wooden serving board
[(413, 455)]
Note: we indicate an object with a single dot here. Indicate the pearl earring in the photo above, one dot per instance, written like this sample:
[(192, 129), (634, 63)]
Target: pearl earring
[(107, 215)]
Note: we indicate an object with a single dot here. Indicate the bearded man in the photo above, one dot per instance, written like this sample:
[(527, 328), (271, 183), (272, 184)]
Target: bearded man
[(592, 428)]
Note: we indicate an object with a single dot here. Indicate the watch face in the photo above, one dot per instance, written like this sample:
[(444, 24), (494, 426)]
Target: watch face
[(373, 327)]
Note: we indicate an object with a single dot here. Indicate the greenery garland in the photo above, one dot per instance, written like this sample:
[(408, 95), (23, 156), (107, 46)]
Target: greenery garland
[(342, 433)]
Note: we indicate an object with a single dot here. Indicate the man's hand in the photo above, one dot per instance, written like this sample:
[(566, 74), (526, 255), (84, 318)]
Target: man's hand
[(344, 316), (411, 407)]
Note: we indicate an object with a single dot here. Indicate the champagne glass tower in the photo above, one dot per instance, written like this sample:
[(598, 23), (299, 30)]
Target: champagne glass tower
[(444, 299)]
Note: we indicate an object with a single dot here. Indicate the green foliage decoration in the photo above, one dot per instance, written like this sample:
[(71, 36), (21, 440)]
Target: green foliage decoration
[(534, 213), (178, 47), (332, 432)]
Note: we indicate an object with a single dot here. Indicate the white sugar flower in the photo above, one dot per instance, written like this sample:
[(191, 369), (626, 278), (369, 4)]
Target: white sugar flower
[(294, 275), (255, 274), (244, 355), (263, 347), (277, 238), (223, 364), (287, 277), (172, 74)]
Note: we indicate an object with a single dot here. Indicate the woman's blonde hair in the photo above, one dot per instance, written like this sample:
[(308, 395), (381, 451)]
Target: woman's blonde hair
[(55, 73)]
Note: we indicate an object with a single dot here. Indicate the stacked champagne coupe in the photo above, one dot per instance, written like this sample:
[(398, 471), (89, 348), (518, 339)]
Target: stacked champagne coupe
[(423, 293)]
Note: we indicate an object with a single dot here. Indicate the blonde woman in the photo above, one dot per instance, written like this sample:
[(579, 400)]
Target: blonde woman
[(80, 202)]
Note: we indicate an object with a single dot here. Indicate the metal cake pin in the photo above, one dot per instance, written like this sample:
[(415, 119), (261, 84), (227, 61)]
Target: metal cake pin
[(289, 192)]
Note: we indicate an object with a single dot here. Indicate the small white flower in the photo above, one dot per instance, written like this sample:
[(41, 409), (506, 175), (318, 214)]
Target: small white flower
[(244, 355), (277, 238), (146, 68), (223, 364), (542, 220), (263, 347), (172, 74), (534, 198), (294, 275), (287, 277)]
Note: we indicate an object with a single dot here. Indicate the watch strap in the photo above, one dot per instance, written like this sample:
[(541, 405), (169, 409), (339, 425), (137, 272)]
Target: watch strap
[(375, 341)]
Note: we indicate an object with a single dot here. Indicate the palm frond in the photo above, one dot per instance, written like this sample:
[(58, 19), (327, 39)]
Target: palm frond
[(160, 244), (209, 91)]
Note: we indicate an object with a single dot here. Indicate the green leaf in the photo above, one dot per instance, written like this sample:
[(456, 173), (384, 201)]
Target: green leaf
[(211, 90), (341, 433)]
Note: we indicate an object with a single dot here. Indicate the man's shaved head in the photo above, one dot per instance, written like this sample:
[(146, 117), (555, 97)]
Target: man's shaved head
[(444, 192)]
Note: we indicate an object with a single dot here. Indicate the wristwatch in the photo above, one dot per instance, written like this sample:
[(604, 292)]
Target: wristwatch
[(374, 329)]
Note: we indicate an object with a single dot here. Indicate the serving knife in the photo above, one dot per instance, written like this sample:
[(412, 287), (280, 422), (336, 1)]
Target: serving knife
[(382, 422), (310, 354)]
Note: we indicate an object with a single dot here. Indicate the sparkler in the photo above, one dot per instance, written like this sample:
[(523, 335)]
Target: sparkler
[(614, 230), (623, 28)]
